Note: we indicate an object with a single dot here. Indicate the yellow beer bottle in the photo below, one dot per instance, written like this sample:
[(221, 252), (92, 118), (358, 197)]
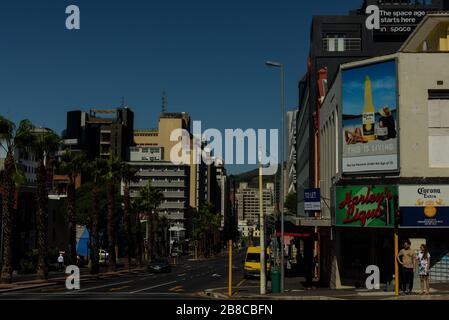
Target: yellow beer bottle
[(369, 118)]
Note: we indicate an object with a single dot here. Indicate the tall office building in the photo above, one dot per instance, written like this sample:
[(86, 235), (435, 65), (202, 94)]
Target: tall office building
[(248, 208), (205, 183), (101, 133), (169, 178)]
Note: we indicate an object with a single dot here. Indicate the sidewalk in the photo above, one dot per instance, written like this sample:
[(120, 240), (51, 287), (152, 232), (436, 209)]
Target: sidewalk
[(294, 290)]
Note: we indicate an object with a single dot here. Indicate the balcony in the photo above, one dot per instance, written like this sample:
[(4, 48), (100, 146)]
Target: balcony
[(160, 184), (159, 173), (172, 205), (174, 194)]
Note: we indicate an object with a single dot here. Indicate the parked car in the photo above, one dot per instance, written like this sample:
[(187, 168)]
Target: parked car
[(252, 262), (161, 265)]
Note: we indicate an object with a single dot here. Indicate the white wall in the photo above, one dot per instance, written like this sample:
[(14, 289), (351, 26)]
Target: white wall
[(419, 72), (330, 119)]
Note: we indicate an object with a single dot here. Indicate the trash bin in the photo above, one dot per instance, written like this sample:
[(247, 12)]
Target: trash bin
[(275, 281)]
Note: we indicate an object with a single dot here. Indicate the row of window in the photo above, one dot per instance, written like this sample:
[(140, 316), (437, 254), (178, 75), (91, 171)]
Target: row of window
[(168, 169), (143, 179), (150, 158)]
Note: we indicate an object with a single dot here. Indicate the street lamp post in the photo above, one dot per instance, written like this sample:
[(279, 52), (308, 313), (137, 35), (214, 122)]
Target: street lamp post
[(281, 204), (263, 278)]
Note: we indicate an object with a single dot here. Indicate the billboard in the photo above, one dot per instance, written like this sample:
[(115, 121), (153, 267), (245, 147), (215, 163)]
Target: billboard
[(366, 206), (312, 200), (369, 124), (424, 205), (399, 20)]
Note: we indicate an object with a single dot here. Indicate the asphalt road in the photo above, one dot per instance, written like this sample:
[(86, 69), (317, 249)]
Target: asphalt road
[(188, 280)]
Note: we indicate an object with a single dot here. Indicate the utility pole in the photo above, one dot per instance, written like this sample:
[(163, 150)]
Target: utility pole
[(282, 191), (396, 264), (263, 281)]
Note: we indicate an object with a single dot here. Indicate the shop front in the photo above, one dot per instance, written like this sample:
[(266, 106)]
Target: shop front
[(364, 223), (298, 249), (424, 211)]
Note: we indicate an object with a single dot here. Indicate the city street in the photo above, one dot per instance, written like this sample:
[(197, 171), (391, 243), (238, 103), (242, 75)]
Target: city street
[(188, 280)]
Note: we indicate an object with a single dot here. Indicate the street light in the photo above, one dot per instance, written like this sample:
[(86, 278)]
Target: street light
[(281, 205)]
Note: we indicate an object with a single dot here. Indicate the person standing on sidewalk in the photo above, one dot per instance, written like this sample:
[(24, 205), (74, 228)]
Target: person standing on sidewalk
[(408, 263), (61, 261), (424, 269), (289, 268)]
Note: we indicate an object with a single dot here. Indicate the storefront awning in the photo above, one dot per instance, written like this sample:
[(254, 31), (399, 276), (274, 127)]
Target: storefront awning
[(291, 230)]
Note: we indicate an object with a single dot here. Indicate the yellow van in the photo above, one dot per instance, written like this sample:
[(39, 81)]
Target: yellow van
[(252, 262)]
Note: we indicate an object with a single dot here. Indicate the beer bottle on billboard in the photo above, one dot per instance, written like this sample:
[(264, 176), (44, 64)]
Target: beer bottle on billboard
[(369, 119)]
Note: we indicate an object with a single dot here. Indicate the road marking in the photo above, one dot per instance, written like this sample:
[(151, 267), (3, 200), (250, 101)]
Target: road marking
[(156, 286), (112, 294), (103, 286), (119, 288), (175, 289), (181, 275), (240, 283)]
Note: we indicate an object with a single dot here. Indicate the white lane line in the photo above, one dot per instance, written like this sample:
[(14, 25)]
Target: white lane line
[(156, 286), (103, 286), (87, 293), (181, 275)]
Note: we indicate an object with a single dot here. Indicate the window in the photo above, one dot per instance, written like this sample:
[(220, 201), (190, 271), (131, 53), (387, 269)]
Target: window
[(340, 43), (335, 42)]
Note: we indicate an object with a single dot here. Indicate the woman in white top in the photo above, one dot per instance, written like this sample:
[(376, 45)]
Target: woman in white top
[(424, 269)]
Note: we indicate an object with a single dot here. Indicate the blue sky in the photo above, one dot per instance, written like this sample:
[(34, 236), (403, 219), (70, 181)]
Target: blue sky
[(383, 85), (207, 54)]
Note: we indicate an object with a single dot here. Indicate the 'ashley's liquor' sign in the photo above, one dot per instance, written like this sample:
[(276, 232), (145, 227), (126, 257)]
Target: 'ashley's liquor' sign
[(366, 206)]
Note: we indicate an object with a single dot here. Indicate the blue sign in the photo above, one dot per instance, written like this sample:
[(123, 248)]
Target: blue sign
[(425, 217), (312, 200)]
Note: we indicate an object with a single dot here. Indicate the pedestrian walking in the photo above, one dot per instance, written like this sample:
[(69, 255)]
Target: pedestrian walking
[(289, 268), (61, 261), (407, 259), (424, 269)]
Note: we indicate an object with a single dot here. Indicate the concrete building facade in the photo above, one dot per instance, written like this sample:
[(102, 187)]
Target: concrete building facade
[(423, 136)]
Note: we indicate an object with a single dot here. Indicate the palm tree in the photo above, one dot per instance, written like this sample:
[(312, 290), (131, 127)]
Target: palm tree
[(163, 229), (97, 170), (72, 165), (128, 174), (11, 177), (149, 200), (43, 142), (138, 243), (112, 178), (205, 225)]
